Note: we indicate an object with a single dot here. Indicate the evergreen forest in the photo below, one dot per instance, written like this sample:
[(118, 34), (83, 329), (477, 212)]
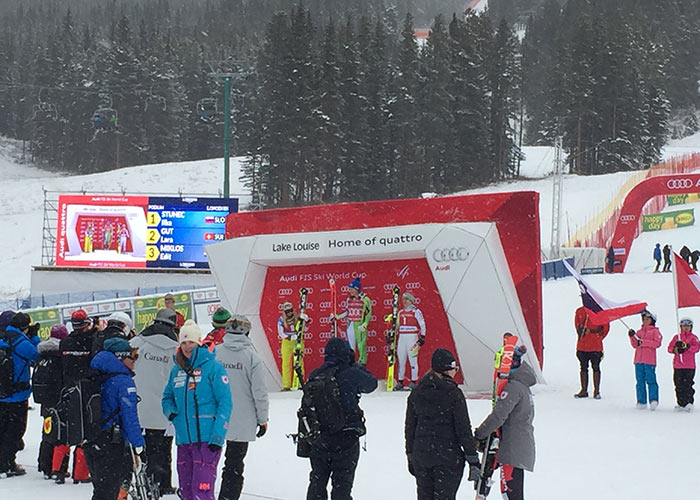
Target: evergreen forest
[(338, 100)]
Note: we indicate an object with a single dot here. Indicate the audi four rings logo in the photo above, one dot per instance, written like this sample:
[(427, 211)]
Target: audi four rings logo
[(628, 218), (413, 286), (285, 291), (389, 286), (450, 254), (325, 305), (679, 183)]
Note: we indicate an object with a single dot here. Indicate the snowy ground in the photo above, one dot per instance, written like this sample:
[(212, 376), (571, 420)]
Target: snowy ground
[(585, 448)]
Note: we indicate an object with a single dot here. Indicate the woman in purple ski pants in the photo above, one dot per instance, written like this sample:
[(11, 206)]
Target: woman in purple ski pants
[(197, 399)]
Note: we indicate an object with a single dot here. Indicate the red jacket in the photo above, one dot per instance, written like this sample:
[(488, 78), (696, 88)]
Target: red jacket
[(590, 335)]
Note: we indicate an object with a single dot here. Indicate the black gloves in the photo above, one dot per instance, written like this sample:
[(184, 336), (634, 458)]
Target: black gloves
[(262, 429), (680, 347), (481, 444), (421, 340), (474, 473), (631, 332), (33, 329), (579, 331), (410, 465), (172, 416), (639, 342), (214, 447)]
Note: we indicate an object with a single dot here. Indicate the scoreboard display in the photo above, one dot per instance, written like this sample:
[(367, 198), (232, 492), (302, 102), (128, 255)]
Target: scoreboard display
[(105, 231), (178, 230)]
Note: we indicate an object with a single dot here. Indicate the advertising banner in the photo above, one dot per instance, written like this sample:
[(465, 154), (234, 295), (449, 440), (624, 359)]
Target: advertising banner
[(668, 220), (378, 279), (46, 319), (682, 199), (105, 231), (145, 309)]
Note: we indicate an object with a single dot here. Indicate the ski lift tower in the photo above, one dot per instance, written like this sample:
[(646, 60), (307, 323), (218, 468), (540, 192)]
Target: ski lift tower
[(227, 77), (557, 192)]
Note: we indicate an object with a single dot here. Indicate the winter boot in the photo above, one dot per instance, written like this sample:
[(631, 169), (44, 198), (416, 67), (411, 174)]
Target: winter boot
[(412, 385), (584, 386), (398, 386), (653, 405), (60, 477), (596, 385), (16, 470)]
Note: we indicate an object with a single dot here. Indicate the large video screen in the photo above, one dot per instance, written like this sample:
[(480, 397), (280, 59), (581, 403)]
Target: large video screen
[(105, 231)]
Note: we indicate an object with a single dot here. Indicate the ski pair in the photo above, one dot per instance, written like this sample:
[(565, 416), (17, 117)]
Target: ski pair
[(298, 377), (489, 462), (143, 486), (391, 338)]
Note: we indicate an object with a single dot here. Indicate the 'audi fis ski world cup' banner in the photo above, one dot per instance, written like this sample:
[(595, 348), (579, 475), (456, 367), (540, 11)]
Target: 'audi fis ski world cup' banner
[(105, 231), (668, 220), (378, 278)]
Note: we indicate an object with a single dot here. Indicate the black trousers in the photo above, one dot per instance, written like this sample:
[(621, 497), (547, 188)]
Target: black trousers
[(110, 463), (439, 482), (232, 475), (159, 462), (683, 380), (585, 357), (337, 461), (13, 424), (512, 482)]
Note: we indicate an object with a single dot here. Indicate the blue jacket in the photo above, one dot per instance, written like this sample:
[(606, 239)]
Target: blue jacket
[(119, 391), (210, 386), (24, 354), (657, 252), (352, 380)]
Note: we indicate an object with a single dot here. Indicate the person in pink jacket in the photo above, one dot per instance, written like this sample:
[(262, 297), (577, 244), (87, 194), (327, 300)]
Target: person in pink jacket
[(645, 342), (684, 346)]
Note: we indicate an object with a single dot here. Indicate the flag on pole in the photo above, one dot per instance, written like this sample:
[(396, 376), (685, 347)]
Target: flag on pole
[(687, 283), (599, 309)]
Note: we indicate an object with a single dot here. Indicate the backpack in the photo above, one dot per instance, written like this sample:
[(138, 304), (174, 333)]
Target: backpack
[(8, 386), (321, 411), (46, 380), (81, 408)]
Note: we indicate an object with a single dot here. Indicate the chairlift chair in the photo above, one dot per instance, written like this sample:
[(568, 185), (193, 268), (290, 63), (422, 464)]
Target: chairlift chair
[(208, 109), (105, 119)]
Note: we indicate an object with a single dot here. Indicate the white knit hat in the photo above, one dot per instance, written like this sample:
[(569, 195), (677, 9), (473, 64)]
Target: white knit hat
[(190, 332)]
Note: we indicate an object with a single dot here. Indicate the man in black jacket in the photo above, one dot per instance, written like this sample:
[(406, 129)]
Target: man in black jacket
[(76, 354), (438, 432), (337, 454)]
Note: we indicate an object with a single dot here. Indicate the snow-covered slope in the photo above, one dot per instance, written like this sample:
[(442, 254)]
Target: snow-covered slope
[(586, 449)]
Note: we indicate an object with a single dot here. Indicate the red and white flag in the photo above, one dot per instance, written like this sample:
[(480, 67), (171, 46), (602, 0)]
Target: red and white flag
[(601, 310), (687, 283)]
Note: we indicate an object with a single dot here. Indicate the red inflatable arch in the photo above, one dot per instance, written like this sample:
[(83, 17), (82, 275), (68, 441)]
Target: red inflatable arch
[(628, 223)]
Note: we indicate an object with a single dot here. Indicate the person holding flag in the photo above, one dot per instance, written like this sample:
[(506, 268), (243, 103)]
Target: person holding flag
[(589, 349), (684, 346), (645, 342)]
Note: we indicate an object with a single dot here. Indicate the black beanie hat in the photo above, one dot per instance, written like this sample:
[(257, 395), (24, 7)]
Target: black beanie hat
[(20, 321), (442, 360)]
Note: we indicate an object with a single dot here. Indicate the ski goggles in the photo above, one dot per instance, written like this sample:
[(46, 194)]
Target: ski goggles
[(686, 322)]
